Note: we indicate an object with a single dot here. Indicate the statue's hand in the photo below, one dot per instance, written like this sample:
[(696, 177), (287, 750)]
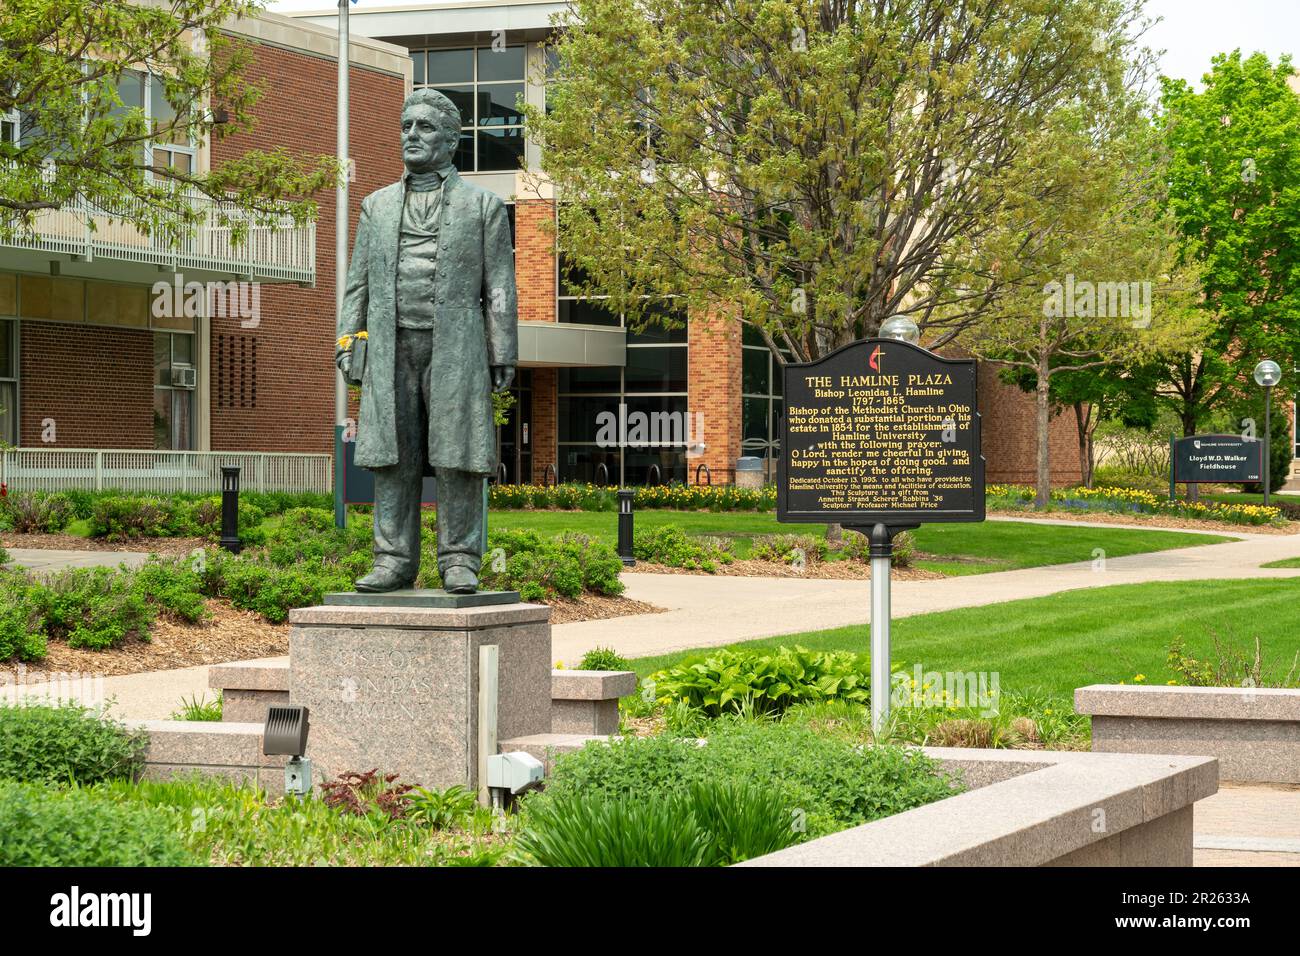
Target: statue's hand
[(502, 376), (344, 362)]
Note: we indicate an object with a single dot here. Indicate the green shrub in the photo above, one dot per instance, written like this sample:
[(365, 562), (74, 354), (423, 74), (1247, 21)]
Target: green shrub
[(823, 783), (201, 518), (42, 827), (66, 744), (36, 512), (858, 547), (173, 585), (670, 545), (93, 607), (604, 659), (789, 548), (199, 709), (599, 830), (22, 623), (119, 518), (540, 569), (764, 682), (710, 823), (270, 590)]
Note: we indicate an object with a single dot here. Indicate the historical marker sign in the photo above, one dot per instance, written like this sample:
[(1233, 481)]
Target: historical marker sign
[(1226, 458), (881, 432)]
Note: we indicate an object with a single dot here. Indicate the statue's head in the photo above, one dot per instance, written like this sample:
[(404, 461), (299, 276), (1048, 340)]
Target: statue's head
[(430, 130)]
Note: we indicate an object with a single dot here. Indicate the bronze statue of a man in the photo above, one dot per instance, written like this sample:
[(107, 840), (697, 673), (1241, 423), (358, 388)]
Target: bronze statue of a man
[(432, 284)]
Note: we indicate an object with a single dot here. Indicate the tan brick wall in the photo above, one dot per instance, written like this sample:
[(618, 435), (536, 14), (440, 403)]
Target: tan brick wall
[(1010, 435), (95, 383)]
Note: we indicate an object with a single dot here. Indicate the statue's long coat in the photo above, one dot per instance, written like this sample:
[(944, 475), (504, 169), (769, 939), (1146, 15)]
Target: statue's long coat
[(475, 324)]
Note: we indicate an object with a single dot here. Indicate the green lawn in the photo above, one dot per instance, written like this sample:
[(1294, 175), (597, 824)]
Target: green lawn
[(1284, 563), (956, 548), (1090, 636)]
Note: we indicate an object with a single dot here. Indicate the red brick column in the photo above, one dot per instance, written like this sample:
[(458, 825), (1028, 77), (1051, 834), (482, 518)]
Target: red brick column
[(543, 427), (713, 388), (535, 277)]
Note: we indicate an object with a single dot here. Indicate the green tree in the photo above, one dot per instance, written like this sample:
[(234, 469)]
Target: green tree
[(1093, 256), (71, 75), (812, 167), (1234, 191)]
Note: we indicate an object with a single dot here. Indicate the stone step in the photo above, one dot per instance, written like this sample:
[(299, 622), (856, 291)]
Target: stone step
[(227, 749), (249, 687)]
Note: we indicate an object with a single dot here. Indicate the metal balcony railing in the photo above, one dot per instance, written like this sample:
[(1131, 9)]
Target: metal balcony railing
[(279, 252)]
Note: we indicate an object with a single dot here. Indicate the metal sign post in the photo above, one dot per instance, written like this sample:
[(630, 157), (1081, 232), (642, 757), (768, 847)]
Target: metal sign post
[(880, 436)]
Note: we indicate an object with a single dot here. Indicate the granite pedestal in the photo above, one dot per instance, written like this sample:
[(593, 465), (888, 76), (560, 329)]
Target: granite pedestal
[(393, 683)]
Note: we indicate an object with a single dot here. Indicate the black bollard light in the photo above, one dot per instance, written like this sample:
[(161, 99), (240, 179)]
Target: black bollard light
[(230, 509), (625, 497)]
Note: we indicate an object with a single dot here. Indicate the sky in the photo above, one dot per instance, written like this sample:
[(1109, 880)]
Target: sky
[(1190, 33)]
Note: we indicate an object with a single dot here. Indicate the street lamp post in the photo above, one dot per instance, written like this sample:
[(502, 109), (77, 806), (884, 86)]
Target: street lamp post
[(1267, 374), (341, 260)]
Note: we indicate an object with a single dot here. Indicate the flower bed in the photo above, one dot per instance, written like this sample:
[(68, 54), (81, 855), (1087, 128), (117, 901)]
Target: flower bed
[(1120, 501)]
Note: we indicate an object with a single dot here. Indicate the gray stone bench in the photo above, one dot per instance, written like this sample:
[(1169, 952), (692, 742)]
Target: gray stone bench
[(586, 702), (1254, 732)]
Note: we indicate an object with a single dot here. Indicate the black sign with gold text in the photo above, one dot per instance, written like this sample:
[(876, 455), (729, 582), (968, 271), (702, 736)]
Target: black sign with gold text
[(881, 432)]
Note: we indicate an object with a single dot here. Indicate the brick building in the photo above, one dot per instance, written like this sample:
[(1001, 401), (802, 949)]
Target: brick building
[(225, 380)]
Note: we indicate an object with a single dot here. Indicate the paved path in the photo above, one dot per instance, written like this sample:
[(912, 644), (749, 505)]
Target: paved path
[(41, 560), (1248, 825), (709, 610)]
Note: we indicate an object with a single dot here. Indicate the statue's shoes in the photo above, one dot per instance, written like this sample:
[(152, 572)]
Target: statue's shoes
[(382, 579), (459, 580)]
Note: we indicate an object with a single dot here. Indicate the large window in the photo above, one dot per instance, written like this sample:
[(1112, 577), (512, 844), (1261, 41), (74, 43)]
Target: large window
[(173, 390), (486, 84), (760, 400), (651, 387), (172, 150)]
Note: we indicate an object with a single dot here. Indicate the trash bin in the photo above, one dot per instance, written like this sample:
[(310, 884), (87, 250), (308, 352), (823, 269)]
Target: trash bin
[(749, 472)]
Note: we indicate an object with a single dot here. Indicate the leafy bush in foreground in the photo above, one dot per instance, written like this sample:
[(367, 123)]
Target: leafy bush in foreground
[(670, 545), (66, 744), (764, 682), (708, 824), (43, 827), (823, 783)]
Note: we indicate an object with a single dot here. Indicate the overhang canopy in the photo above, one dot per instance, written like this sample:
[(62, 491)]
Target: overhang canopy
[(568, 344)]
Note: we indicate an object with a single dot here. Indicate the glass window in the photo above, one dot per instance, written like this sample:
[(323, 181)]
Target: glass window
[(500, 149), (587, 312), (450, 66), (656, 369), (505, 63), (602, 380), (173, 399), (418, 59), (755, 375), (486, 85)]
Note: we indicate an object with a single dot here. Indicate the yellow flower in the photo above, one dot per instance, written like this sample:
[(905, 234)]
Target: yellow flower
[(363, 334), (1139, 677), (345, 342)]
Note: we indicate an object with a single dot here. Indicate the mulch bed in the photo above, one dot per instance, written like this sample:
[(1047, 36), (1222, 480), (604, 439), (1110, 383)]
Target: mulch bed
[(832, 570), (229, 635), (72, 542), (235, 635), (1152, 521)]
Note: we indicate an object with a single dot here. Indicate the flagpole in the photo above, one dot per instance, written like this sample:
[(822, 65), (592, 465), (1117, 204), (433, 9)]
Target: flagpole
[(341, 259)]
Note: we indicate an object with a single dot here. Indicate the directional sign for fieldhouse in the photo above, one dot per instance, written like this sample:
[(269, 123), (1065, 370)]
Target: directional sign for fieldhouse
[(1228, 458), (881, 431)]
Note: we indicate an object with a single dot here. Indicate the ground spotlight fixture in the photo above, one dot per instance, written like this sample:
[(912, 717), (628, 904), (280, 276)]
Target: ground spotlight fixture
[(285, 735), (900, 327)]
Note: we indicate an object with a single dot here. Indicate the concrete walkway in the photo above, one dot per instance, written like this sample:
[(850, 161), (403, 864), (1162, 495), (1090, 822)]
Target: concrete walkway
[(1248, 825), (41, 560)]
